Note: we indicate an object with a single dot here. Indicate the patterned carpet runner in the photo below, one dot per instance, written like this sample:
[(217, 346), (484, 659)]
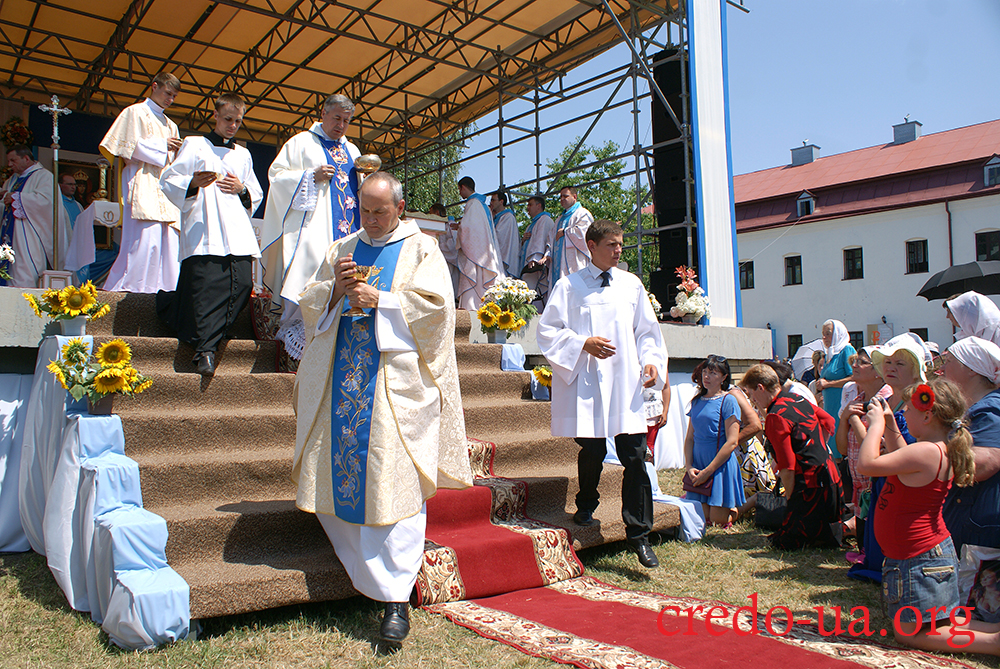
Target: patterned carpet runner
[(491, 569)]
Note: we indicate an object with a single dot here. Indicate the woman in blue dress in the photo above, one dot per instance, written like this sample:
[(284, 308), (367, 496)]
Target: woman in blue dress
[(836, 368), (710, 444)]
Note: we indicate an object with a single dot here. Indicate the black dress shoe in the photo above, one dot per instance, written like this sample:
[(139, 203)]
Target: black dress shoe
[(206, 363), (583, 517), (641, 547), (395, 622)]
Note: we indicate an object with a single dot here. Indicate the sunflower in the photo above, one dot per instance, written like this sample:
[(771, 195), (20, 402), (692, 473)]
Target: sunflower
[(90, 288), (103, 311), (58, 372), (110, 380), (543, 375), (142, 386), (33, 302), (50, 298), (520, 324), (115, 353), (493, 308), (75, 351), (75, 301), (506, 320), (486, 317)]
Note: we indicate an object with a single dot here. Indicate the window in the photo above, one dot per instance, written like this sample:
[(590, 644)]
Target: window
[(746, 275), (916, 256), (920, 332), (991, 173), (853, 265), (857, 339), (805, 205), (794, 342), (793, 270), (988, 245)]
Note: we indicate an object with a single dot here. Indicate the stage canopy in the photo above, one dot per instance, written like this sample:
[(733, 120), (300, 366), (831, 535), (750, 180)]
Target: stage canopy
[(418, 69)]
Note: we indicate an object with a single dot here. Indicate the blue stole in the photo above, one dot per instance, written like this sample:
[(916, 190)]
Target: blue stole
[(7, 225), (355, 368), (493, 226), (557, 252), (343, 189), (523, 256)]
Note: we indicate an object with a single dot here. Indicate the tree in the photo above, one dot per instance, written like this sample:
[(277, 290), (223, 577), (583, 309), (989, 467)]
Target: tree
[(602, 191), (434, 184)]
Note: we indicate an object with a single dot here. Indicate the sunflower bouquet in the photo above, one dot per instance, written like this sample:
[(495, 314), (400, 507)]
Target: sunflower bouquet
[(543, 374), (507, 306), (110, 371), (70, 302)]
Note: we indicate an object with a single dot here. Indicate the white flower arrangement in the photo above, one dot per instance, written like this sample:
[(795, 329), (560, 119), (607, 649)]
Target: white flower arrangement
[(509, 290), (507, 306), (7, 257), (690, 296), (657, 309)]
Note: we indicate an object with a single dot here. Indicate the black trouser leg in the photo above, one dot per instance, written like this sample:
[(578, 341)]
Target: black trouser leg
[(589, 464), (637, 491)]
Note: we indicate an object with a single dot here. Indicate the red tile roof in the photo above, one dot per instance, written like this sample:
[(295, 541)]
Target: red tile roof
[(940, 149)]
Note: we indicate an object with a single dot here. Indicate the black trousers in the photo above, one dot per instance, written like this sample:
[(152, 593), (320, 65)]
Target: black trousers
[(211, 292), (637, 491)]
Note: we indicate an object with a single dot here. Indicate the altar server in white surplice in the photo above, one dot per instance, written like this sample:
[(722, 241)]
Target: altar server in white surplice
[(478, 252), (312, 202), (379, 416), (508, 235), (141, 142), (570, 252), (213, 183), (601, 337), (536, 249), (27, 219)]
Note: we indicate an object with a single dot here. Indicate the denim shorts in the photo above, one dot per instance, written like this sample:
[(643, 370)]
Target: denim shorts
[(923, 582)]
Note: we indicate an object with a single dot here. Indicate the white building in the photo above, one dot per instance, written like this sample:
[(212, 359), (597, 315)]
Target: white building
[(854, 236)]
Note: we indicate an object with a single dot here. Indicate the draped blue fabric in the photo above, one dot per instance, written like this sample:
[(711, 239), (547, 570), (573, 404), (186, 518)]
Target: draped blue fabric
[(560, 244), (7, 226), (355, 369), (343, 189)]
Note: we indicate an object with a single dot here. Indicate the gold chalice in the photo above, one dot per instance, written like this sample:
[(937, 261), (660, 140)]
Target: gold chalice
[(361, 273)]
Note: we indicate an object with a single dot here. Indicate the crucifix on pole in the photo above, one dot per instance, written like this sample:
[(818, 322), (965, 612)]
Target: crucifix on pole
[(55, 110)]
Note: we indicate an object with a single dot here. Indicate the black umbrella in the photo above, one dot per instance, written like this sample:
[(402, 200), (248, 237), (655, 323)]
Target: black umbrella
[(980, 276)]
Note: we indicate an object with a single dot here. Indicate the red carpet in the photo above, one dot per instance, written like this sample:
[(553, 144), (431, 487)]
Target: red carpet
[(479, 543), (589, 624)]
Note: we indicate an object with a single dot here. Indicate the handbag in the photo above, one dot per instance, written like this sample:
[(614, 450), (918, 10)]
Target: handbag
[(770, 509), (687, 483)]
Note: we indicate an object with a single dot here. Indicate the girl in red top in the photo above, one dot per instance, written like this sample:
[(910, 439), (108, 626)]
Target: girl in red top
[(920, 574)]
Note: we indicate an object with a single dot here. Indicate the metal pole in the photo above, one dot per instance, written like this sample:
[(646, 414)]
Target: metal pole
[(538, 146), (55, 110), (635, 153), (500, 111)]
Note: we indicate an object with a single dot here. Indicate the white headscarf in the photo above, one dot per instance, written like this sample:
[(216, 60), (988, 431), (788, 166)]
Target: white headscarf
[(979, 355), (840, 338), (977, 316)]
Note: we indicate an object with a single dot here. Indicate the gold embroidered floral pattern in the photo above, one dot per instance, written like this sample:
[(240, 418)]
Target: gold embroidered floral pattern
[(439, 579)]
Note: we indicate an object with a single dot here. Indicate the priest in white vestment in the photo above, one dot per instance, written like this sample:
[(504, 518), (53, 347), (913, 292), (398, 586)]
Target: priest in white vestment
[(213, 184), (478, 253), (535, 259), (570, 253), (140, 143), (508, 234), (379, 416), (312, 202), (602, 339), (27, 219)]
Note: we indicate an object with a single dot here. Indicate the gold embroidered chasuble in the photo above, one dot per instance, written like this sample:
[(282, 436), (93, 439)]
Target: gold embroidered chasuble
[(417, 442)]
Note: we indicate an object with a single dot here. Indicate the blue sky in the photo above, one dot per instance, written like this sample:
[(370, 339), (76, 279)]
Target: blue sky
[(838, 74)]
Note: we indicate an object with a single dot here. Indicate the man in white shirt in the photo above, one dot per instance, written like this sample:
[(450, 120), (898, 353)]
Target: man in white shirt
[(312, 202), (140, 143), (213, 184), (478, 256), (570, 252), (602, 339), (508, 235), (27, 219), (536, 249)]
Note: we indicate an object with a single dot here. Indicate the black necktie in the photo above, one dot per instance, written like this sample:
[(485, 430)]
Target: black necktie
[(605, 279)]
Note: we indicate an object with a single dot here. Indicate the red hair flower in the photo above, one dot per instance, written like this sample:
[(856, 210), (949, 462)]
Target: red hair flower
[(923, 398)]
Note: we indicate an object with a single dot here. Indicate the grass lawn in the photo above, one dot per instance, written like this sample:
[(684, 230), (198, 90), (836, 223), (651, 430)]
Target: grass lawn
[(38, 629)]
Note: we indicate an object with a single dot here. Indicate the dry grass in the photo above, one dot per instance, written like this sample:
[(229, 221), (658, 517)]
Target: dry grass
[(39, 629)]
